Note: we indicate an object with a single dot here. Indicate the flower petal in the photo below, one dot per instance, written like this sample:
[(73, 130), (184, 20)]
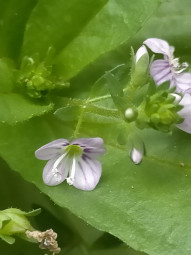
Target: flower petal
[(183, 81), (185, 113), (87, 174), (92, 146), (160, 71), (53, 177), (158, 46), (140, 52), (50, 150), (177, 98)]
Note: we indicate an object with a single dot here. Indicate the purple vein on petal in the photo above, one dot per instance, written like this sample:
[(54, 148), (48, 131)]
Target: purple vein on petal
[(160, 80), (80, 165)]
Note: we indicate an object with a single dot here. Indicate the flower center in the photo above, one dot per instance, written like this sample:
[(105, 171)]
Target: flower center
[(175, 65), (73, 150), (70, 179)]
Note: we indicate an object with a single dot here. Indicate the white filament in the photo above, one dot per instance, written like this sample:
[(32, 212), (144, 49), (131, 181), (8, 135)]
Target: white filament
[(70, 179), (57, 162)]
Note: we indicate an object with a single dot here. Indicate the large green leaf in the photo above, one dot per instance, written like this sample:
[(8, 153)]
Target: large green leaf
[(6, 76), (115, 24), (16, 108), (74, 235), (172, 22), (56, 23), (13, 15), (147, 206), (101, 27)]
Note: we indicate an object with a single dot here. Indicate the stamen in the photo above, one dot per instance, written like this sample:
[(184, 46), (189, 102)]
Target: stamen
[(57, 162), (176, 65), (70, 179), (47, 241)]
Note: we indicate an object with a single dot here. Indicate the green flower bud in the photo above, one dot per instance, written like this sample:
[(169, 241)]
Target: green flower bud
[(36, 77), (14, 221), (140, 71), (159, 111)]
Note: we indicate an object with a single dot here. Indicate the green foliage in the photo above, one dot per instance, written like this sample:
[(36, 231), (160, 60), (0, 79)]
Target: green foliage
[(132, 196), (146, 206), (14, 221), (113, 25), (74, 235), (16, 108)]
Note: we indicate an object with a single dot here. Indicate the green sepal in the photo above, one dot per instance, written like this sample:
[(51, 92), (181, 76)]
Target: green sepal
[(139, 70), (7, 239), (116, 91), (14, 221)]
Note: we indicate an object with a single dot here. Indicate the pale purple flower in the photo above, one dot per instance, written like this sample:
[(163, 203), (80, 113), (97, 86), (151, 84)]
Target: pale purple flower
[(185, 113), (74, 161), (169, 68)]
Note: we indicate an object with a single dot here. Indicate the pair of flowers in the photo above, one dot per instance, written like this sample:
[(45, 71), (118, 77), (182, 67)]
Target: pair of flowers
[(169, 69), (76, 161)]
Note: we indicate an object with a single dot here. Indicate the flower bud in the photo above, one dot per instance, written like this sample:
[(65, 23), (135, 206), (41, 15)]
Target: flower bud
[(136, 156), (130, 114), (140, 71), (14, 221)]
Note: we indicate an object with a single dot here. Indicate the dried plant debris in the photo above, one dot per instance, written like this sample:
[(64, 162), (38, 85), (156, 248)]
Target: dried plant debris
[(47, 239)]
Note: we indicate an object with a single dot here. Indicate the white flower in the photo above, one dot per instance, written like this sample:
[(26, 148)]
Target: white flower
[(169, 68), (137, 154), (74, 161)]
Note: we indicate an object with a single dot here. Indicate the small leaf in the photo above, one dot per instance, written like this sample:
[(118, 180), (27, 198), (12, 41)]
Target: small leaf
[(7, 239), (116, 91)]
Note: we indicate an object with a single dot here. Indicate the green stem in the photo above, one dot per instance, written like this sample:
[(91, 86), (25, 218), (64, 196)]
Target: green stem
[(97, 99), (76, 131)]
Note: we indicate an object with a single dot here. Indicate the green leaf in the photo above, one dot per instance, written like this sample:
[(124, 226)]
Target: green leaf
[(145, 205), (57, 23), (14, 14), (16, 108), (7, 239), (171, 14), (68, 113), (122, 250), (116, 91), (90, 112), (18, 211), (116, 23), (6, 76), (101, 27)]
